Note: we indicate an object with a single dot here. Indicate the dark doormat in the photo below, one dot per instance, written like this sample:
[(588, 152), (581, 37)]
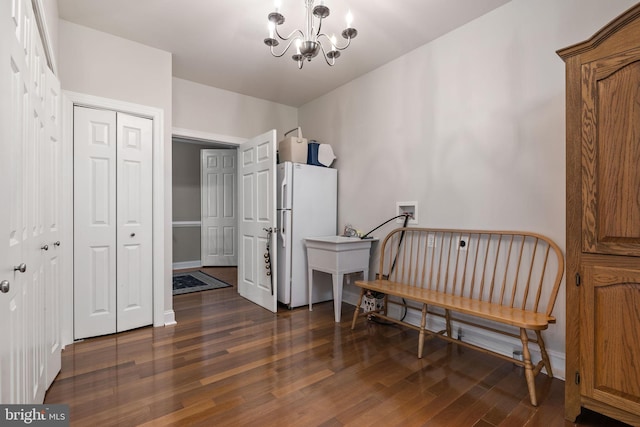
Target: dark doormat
[(195, 281)]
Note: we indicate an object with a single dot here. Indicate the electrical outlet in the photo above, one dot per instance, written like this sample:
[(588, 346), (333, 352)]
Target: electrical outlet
[(431, 241)]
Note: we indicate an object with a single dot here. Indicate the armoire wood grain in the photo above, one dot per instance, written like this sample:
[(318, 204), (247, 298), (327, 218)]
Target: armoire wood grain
[(603, 221)]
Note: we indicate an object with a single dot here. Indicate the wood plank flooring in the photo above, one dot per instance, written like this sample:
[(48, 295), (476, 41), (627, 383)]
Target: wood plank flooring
[(229, 362)]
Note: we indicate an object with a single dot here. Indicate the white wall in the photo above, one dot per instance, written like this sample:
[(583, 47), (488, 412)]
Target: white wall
[(99, 64), (471, 126), (207, 109)]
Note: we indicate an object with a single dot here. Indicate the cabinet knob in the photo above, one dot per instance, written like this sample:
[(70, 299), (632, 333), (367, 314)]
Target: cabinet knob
[(21, 268), (57, 243), (133, 234), (45, 248), (4, 286)]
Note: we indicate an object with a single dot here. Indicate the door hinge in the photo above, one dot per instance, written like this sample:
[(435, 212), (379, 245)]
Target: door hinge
[(577, 379), (577, 279)]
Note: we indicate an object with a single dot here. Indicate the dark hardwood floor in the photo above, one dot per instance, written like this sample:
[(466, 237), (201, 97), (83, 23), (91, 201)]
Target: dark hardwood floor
[(230, 362)]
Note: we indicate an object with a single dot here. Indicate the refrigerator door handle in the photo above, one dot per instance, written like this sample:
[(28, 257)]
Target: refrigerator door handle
[(282, 227), (283, 185)]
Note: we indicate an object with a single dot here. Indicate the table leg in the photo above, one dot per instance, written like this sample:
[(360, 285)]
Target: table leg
[(337, 295), (310, 273)]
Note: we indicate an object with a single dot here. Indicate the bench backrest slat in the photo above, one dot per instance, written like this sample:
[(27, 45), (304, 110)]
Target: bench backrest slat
[(511, 268)]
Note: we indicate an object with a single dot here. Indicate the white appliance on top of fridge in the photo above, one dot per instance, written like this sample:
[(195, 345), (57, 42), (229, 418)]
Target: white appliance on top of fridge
[(307, 207)]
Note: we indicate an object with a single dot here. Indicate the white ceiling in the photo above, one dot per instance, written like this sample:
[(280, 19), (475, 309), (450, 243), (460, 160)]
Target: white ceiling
[(220, 42)]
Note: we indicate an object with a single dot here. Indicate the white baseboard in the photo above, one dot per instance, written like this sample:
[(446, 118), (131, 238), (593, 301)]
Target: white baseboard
[(187, 264), (170, 318), (495, 342)]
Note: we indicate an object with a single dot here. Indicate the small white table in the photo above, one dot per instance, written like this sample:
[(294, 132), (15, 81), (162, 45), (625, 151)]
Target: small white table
[(337, 255)]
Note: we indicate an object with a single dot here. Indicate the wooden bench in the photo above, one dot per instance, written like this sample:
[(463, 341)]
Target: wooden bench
[(502, 281)]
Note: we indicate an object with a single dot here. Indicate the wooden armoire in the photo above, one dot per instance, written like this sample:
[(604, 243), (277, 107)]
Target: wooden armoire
[(603, 221)]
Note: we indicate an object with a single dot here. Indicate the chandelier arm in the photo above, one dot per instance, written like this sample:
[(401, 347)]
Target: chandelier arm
[(324, 55), (284, 51), (300, 33), (337, 47)]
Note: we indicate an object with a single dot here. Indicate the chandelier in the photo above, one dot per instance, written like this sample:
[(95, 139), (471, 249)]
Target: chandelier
[(309, 43)]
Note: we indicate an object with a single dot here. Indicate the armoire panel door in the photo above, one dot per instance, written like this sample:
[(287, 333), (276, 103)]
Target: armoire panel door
[(611, 154), (611, 342), (134, 227), (94, 210)]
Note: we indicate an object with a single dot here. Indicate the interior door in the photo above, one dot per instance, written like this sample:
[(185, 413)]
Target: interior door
[(113, 282), (52, 188), (134, 241), (24, 152), (257, 222), (94, 210), (218, 186), (14, 76)]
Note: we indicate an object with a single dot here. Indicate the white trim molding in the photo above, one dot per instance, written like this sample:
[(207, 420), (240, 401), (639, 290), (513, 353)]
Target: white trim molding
[(187, 264), (198, 136), (186, 224), (161, 281)]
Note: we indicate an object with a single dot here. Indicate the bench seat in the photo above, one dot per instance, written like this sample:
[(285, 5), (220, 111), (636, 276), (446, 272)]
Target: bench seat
[(485, 310)]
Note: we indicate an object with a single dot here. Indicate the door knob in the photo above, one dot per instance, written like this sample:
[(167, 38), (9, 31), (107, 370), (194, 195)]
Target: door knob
[(57, 243), (21, 268), (45, 248), (4, 286)]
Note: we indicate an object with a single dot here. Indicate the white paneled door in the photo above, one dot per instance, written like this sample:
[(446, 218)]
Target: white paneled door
[(219, 235), (257, 222), (52, 189), (29, 183), (112, 222)]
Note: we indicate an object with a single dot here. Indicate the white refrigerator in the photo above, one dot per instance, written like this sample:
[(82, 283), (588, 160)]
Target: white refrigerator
[(307, 207)]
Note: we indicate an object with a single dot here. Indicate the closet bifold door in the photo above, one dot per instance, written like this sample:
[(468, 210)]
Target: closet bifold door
[(94, 224), (134, 224), (112, 222)]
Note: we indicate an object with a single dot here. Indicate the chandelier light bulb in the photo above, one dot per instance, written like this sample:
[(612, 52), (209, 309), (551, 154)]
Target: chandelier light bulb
[(271, 27), (298, 44), (349, 19), (333, 42), (277, 4)]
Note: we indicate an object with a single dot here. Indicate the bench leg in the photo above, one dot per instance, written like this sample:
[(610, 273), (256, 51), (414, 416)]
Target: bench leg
[(447, 316), (384, 304), (545, 356), (423, 323), (528, 367), (357, 310)]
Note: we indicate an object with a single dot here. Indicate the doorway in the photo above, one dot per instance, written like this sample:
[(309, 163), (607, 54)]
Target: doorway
[(256, 200), (112, 207), (162, 315), (187, 196)]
